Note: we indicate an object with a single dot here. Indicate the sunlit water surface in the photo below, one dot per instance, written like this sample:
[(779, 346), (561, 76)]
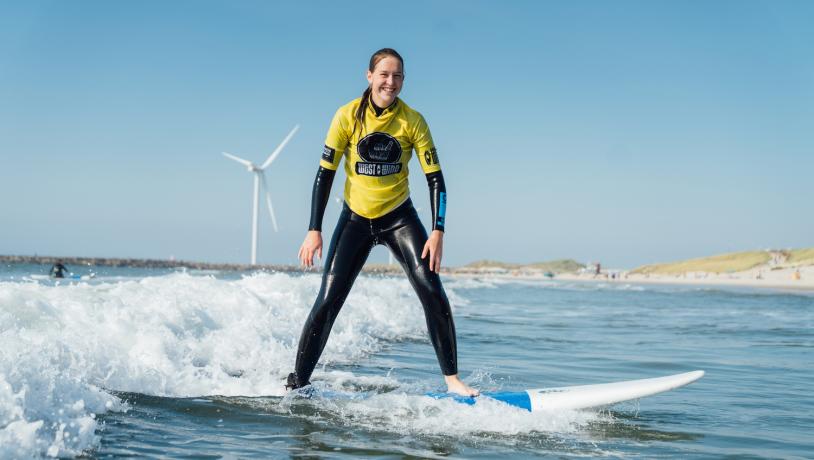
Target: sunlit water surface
[(179, 364)]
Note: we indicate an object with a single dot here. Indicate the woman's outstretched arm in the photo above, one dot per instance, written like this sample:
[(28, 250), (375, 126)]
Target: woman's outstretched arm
[(319, 200), (438, 202)]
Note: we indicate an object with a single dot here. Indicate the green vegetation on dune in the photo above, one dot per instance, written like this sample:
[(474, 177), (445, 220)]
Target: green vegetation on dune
[(554, 266), (801, 256), (724, 263), (557, 266), (490, 264)]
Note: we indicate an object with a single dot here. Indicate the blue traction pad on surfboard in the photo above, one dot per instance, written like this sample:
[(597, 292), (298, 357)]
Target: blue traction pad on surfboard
[(517, 399)]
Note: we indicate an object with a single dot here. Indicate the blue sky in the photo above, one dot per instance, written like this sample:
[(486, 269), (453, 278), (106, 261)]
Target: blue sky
[(625, 132)]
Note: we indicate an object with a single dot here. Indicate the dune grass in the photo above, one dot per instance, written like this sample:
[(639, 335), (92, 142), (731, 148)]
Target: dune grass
[(490, 263), (723, 263), (801, 257), (554, 266), (557, 266)]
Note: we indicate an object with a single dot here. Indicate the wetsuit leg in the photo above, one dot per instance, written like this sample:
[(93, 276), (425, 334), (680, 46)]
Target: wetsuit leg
[(406, 237), (350, 245)]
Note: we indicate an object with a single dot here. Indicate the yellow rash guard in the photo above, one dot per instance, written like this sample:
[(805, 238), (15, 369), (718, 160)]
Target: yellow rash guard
[(377, 153)]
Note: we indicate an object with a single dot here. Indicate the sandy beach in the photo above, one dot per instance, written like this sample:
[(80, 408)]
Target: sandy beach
[(764, 276), (777, 278)]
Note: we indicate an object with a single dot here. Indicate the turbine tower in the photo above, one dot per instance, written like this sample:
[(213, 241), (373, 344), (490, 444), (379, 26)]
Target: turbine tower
[(260, 179)]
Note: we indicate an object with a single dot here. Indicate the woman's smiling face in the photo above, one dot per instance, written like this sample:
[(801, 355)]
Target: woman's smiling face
[(385, 81)]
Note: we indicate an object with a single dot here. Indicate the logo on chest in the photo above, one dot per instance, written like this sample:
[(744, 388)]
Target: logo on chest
[(381, 153)]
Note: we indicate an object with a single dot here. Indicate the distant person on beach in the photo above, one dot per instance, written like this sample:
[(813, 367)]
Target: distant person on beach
[(376, 135), (58, 270)]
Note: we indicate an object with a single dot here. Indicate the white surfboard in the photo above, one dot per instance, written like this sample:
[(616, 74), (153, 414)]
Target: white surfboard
[(583, 396)]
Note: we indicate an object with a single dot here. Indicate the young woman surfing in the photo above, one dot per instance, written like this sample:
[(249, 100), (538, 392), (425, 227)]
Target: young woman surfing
[(376, 135)]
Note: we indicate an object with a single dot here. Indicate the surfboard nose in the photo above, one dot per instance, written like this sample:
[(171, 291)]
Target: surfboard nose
[(694, 375), (605, 394)]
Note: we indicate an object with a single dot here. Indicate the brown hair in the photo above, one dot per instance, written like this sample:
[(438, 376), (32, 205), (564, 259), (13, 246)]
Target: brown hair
[(377, 56)]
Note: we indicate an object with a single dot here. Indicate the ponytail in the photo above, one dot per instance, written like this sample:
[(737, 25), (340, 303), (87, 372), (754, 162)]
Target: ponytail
[(359, 119)]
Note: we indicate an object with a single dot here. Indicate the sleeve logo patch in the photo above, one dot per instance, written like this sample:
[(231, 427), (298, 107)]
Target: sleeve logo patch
[(431, 157), (328, 154)]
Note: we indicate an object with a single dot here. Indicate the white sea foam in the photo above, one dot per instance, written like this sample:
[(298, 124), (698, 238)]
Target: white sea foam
[(403, 408), (173, 335), (466, 282), (407, 413), (411, 414), (496, 281)]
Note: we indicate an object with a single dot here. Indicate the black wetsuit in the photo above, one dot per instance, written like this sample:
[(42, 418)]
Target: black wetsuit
[(58, 270), (402, 232), (354, 237)]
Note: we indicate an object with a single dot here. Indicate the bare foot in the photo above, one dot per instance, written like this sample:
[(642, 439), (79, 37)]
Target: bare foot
[(455, 385)]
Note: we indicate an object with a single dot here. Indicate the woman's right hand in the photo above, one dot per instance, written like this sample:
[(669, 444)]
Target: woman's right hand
[(311, 246)]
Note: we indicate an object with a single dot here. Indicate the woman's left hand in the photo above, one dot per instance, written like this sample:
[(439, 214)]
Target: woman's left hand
[(435, 248)]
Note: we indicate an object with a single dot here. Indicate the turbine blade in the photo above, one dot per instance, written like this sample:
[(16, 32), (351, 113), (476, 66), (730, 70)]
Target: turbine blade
[(246, 163), (268, 200), (279, 148)]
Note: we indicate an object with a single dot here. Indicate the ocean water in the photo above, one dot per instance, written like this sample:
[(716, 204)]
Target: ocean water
[(180, 363)]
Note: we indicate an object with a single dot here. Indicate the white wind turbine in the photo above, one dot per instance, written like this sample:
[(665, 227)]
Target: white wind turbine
[(259, 178)]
